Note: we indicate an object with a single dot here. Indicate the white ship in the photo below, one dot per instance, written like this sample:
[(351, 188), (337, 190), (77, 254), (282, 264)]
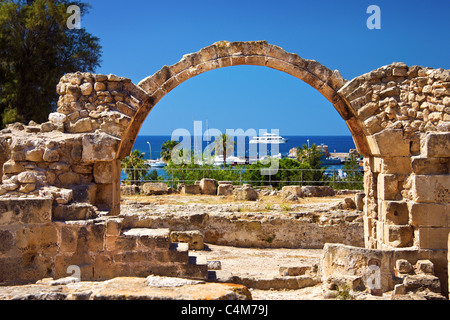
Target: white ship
[(267, 138), (156, 163)]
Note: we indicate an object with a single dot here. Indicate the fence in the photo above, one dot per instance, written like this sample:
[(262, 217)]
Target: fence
[(336, 178)]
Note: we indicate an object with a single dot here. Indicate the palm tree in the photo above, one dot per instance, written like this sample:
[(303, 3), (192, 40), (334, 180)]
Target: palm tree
[(166, 150), (224, 144), (309, 155), (135, 166)]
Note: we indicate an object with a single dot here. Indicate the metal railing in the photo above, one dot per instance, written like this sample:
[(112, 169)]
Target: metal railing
[(336, 178)]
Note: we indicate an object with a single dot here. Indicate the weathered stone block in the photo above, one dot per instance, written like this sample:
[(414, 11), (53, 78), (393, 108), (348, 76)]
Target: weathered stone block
[(424, 166), (436, 145), (69, 178), (389, 143), (398, 236), (193, 237), (103, 172), (388, 187), (25, 210), (12, 167), (191, 189), (392, 165), (225, 189), (208, 186), (287, 191), (402, 266), (43, 238), (99, 147), (74, 211), (394, 212), (245, 192), (155, 188), (431, 188), (430, 214), (7, 241), (432, 238)]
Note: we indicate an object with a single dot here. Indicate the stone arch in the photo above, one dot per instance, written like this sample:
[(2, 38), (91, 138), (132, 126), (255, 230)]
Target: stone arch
[(223, 54)]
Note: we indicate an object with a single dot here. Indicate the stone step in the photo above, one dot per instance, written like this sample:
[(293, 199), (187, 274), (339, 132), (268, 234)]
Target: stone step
[(275, 283), (73, 211), (148, 238)]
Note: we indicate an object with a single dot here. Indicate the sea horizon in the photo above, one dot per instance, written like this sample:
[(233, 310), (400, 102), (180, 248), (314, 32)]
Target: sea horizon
[(335, 143)]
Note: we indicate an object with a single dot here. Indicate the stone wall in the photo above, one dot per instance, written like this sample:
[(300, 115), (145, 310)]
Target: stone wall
[(405, 113)]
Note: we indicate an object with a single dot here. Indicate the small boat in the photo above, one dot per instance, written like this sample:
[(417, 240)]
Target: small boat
[(330, 160), (269, 138), (156, 163)]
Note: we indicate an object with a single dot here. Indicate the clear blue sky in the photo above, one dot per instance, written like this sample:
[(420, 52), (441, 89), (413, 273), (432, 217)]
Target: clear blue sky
[(139, 37)]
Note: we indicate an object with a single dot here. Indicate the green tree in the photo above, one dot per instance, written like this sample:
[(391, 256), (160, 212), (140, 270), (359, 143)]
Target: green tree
[(353, 176), (311, 156), (224, 145), (135, 167), (166, 149), (36, 50)]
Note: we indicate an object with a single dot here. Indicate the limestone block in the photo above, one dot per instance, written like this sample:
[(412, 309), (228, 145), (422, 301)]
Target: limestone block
[(224, 189), (155, 188), (431, 188), (402, 266), (34, 155), (43, 237), (389, 143), (286, 191), (191, 189), (69, 178), (86, 89), (392, 165), (245, 192), (103, 172), (193, 237), (80, 126), (423, 166), (432, 238), (394, 212), (57, 118), (424, 266), (398, 236), (317, 191), (74, 211), (430, 214), (99, 147), (99, 86), (50, 155), (388, 187), (208, 186), (11, 166), (25, 210), (359, 200), (436, 145), (84, 193)]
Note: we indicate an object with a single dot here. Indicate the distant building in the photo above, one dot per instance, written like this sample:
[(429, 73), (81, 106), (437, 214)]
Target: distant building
[(293, 153), (324, 149)]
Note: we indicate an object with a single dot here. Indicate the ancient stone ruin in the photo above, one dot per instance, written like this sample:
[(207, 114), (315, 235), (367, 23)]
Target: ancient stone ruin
[(60, 188)]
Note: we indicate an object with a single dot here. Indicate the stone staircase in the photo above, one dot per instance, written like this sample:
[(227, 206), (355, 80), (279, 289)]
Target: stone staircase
[(154, 253)]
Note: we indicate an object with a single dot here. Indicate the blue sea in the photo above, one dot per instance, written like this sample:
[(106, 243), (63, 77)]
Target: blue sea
[(151, 145)]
